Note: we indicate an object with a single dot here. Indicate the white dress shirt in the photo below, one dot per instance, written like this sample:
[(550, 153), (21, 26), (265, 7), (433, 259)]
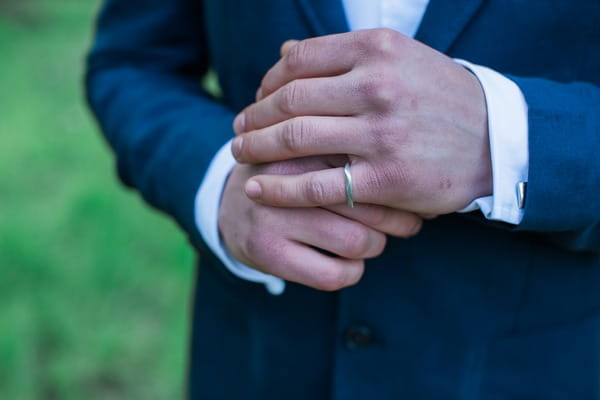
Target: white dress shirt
[(508, 132)]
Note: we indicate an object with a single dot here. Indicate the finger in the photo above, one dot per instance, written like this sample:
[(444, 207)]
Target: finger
[(316, 57), (286, 46), (316, 96), (299, 263), (393, 222), (300, 137), (336, 234), (317, 188), (259, 96), (283, 51)]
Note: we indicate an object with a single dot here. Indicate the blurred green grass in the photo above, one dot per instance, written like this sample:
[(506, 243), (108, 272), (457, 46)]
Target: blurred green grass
[(94, 287)]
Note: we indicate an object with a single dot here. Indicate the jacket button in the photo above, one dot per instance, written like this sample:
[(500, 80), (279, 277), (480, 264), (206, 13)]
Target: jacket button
[(358, 336)]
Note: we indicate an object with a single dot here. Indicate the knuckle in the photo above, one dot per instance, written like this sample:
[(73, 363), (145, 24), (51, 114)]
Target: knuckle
[(355, 243), (399, 174), (294, 59), (283, 193), (415, 228), (331, 279), (401, 227), (376, 216), (386, 134), (250, 114), (289, 97), (249, 147), (315, 191), (393, 174), (378, 89), (259, 247), (279, 194), (266, 83), (368, 86), (355, 277), (372, 183), (334, 279), (294, 135), (379, 246), (384, 42), (253, 245)]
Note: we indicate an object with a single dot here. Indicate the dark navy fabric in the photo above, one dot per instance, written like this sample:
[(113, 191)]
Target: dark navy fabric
[(468, 309)]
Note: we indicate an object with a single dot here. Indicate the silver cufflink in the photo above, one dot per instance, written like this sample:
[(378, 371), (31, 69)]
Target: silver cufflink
[(521, 194)]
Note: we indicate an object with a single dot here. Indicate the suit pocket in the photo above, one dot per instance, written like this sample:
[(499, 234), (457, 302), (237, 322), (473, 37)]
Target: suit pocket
[(558, 363)]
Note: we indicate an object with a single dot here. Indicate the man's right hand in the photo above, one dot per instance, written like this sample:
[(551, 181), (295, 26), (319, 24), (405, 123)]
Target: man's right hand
[(321, 248)]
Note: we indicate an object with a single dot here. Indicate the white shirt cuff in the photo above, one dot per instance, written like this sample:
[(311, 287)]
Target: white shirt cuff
[(207, 203), (508, 131)]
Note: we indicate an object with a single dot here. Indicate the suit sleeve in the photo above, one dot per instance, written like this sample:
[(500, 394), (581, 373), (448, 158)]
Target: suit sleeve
[(563, 191), (143, 85)]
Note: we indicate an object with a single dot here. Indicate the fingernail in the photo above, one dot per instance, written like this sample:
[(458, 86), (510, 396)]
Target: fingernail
[(253, 189), (236, 146), (239, 124)]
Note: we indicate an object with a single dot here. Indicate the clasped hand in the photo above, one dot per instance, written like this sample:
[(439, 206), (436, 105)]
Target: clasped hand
[(412, 123)]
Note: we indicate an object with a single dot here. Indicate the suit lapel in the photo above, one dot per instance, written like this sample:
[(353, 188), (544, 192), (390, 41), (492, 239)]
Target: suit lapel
[(441, 25), (324, 16), (445, 20)]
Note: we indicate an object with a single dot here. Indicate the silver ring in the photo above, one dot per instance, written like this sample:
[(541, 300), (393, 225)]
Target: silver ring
[(349, 198)]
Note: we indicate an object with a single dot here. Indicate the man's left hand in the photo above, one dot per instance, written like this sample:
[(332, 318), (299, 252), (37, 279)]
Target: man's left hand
[(412, 122)]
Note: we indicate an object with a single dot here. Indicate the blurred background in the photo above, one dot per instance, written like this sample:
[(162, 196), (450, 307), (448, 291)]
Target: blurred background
[(94, 286)]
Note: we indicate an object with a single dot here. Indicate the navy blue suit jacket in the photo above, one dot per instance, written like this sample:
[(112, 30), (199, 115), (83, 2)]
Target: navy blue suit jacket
[(468, 309)]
